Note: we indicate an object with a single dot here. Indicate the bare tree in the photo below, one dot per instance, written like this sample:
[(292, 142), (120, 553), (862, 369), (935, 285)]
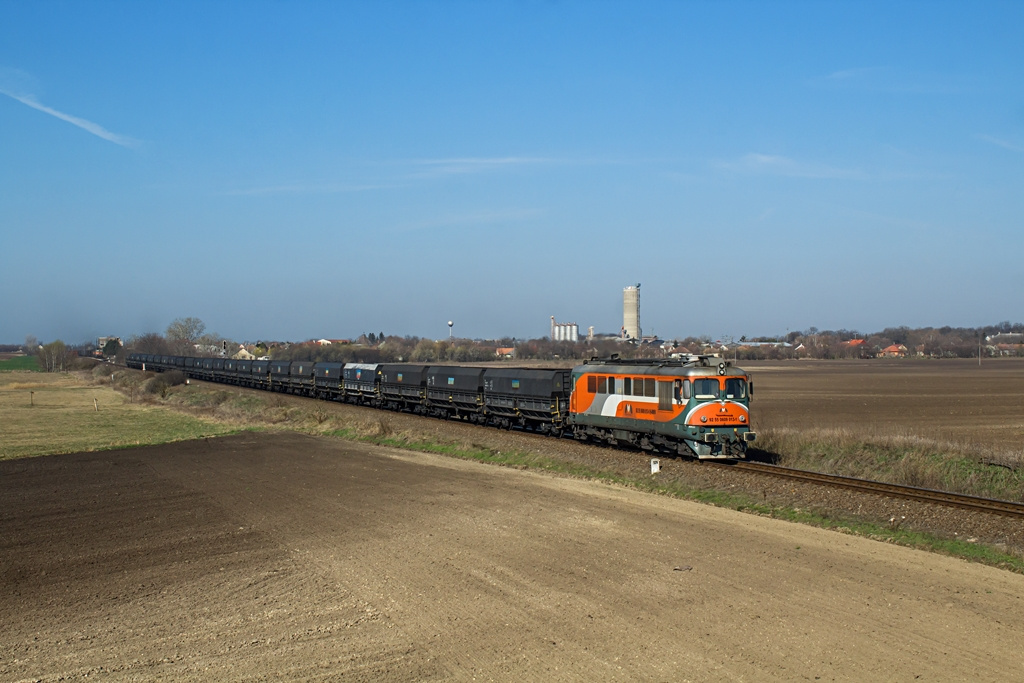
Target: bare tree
[(151, 342), (215, 340), (31, 345), (55, 357), (183, 333)]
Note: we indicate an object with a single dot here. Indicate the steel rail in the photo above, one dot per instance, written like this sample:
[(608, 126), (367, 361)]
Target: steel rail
[(992, 506)]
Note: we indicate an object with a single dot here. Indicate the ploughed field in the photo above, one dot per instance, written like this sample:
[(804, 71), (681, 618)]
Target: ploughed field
[(956, 401), (279, 556)]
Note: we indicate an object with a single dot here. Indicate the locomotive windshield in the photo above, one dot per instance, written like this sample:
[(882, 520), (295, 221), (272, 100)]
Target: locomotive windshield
[(709, 389), (706, 388), (735, 388)]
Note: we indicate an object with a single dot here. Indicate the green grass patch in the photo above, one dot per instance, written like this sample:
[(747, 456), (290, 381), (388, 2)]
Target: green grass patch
[(56, 413), (20, 364)]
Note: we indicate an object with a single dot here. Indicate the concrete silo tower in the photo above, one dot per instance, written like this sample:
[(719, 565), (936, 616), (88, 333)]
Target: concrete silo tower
[(631, 312)]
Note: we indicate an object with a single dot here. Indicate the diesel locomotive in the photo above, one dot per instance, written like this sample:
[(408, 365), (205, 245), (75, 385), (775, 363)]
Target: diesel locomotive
[(695, 407)]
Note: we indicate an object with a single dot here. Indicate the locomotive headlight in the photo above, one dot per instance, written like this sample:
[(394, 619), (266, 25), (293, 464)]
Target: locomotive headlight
[(743, 418), (703, 418)]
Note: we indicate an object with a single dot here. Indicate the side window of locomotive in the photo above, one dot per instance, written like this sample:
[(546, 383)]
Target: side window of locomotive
[(735, 388), (602, 385), (592, 384), (705, 389), (638, 386), (649, 384), (686, 390), (627, 386)]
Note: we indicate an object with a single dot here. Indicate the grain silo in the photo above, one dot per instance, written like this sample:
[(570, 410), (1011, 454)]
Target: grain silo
[(564, 331), (631, 312)]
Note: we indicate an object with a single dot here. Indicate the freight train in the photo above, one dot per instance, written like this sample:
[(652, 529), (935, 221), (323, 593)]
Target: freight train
[(693, 407)]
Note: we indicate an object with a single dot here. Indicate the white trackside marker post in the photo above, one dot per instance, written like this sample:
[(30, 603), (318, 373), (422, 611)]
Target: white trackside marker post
[(655, 465)]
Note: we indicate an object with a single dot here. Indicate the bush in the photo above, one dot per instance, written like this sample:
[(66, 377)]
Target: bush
[(162, 382), (174, 378)]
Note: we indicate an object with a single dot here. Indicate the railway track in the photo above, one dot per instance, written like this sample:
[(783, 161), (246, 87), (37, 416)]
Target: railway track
[(997, 507)]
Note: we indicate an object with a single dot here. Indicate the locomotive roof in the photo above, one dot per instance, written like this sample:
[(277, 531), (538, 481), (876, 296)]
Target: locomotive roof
[(692, 365)]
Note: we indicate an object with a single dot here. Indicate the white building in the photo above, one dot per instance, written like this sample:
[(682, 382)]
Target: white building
[(631, 312), (564, 331)]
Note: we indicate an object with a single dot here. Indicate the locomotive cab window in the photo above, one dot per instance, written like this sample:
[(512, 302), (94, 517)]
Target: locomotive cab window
[(681, 390), (705, 388), (735, 388)]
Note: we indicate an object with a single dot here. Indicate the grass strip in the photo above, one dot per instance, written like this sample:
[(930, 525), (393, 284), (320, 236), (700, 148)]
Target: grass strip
[(903, 459)]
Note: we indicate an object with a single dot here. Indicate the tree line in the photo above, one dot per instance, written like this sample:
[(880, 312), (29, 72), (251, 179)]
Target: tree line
[(188, 336)]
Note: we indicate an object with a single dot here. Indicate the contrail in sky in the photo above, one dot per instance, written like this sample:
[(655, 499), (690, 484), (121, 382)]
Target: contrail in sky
[(89, 126)]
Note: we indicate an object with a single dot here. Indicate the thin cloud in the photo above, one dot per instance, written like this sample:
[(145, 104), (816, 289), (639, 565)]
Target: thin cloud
[(889, 79), (468, 165), (854, 74), (1005, 144), (431, 168), (306, 188), (478, 219), (767, 164), (88, 126)]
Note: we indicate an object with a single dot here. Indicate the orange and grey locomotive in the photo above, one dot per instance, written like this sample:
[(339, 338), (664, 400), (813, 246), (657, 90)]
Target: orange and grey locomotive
[(696, 407)]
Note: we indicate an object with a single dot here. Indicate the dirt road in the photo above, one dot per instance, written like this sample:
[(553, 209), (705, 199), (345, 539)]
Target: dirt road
[(280, 556)]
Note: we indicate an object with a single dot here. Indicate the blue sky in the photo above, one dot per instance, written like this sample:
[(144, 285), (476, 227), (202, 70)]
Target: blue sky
[(294, 170)]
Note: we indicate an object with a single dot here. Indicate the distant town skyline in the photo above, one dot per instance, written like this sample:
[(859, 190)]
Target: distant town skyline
[(301, 170)]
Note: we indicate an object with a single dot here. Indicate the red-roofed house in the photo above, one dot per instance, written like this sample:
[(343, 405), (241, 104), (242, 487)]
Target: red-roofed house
[(894, 351)]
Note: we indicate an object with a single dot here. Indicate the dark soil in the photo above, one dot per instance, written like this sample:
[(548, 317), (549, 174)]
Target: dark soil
[(286, 557)]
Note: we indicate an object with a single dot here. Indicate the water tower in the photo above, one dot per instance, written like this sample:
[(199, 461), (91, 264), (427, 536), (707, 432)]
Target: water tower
[(631, 312)]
